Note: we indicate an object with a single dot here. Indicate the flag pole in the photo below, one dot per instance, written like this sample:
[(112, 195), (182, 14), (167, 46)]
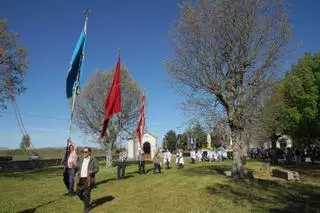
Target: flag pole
[(76, 85), (143, 99), (120, 118)]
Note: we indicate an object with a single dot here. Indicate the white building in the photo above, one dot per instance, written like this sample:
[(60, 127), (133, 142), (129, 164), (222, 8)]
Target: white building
[(284, 141), (149, 145)]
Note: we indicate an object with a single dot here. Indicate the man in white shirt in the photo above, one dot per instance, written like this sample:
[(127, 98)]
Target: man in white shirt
[(167, 158), (87, 167)]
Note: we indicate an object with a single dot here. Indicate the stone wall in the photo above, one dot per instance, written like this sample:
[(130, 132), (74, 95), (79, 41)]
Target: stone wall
[(14, 166), (11, 166)]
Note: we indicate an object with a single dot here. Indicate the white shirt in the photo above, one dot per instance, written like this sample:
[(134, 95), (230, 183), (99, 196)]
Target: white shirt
[(167, 156), (193, 154), (84, 167)]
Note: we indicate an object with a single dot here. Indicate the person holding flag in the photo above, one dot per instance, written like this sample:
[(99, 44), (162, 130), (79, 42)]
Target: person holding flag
[(141, 163), (140, 132), (70, 162), (72, 90)]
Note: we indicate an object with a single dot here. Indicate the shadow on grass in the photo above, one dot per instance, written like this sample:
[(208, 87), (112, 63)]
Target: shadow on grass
[(128, 176), (101, 201), (35, 173), (135, 172), (305, 170), (105, 181), (263, 194), (111, 179), (206, 170), (32, 210)]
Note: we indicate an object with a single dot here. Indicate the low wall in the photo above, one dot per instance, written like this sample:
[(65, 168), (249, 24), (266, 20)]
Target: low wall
[(14, 166), (10, 166)]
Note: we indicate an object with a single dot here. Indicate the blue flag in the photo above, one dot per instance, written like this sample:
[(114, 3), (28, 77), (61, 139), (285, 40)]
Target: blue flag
[(73, 79), (192, 141)]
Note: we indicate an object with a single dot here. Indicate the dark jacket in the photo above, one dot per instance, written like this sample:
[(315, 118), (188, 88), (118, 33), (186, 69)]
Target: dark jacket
[(93, 168)]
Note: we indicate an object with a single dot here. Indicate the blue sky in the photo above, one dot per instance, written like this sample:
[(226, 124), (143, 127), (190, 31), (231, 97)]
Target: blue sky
[(49, 31)]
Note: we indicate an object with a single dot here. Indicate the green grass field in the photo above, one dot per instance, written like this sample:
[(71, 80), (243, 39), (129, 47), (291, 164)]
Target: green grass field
[(196, 188)]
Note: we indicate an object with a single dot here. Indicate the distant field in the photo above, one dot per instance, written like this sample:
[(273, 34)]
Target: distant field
[(45, 153), (196, 188)]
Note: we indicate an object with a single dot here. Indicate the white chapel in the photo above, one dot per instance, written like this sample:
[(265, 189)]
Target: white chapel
[(148, 145)]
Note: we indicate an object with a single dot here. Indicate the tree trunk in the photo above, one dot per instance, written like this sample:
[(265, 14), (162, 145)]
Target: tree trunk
[(109, 155), (237, 164), (244, 153)]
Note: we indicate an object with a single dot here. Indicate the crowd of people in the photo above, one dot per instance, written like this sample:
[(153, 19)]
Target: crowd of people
[(214, 154), (308, 154), (81, 170)]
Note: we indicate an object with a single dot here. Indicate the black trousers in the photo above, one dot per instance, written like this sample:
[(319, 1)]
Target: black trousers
[(121, 170), (155, 167), (141, 167), (84, 193), (193, 160), (167, 164)]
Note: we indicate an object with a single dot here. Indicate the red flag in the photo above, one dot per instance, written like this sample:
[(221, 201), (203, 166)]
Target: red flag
[(112, 104), (140, 127)]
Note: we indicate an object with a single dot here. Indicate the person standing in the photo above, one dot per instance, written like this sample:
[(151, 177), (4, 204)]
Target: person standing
[(141, 162), (122, 163), (179, 159), (167, 158), (70, 164), (156, 162), (193, 156), (87, 167), (199, 155), (210, 156)]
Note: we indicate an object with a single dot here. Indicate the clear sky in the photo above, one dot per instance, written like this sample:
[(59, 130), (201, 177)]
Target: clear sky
[(49, 31)]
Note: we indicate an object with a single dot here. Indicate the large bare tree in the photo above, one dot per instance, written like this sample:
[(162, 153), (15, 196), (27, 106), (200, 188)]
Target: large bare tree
[(229, 50), (89, 110)]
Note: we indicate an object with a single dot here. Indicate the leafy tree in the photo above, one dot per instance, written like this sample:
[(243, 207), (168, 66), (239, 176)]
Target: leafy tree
[(271, 123), (25, 142), (89, 110), (316, 70), (198, 132), (170, 140), (220, 134), (301, 95), (201, 136), (13, 65), (226, 51)]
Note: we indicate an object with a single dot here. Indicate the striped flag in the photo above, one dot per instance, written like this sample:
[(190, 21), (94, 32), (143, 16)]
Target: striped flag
[(141, 123)]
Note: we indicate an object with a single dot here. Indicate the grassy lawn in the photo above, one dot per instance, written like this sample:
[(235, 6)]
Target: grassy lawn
[(196, 188)]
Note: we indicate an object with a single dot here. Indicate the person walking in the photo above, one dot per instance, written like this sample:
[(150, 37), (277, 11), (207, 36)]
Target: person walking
[(179, 159), (70, 163), (193, 156), (87, 167), (167, 158), (122, 163), (156, 162), (141, 162)]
